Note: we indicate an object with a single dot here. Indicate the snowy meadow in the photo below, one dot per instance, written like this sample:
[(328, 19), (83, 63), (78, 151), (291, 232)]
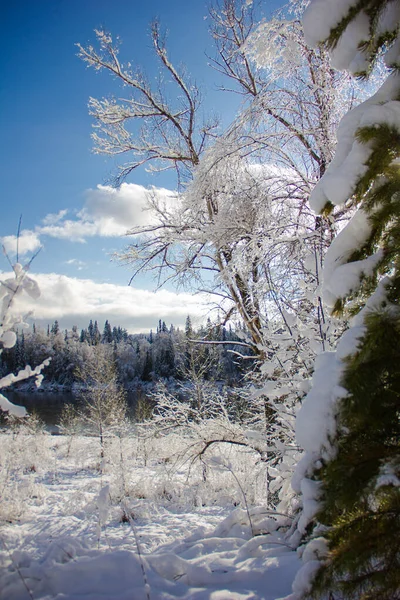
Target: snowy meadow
[(147, 520)]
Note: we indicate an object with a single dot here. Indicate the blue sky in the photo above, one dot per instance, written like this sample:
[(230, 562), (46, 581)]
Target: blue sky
[(47, 165)]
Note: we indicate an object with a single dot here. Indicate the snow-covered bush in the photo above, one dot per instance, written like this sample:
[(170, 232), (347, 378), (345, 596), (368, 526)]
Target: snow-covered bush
[(206, 428), (24, 458), (70, 424)]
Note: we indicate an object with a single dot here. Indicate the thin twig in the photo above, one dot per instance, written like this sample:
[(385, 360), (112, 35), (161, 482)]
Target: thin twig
[(18, 235), (243, 494), (133, 529)]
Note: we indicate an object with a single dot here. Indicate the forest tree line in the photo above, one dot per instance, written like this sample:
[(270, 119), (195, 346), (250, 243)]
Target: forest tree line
[(168, 352)]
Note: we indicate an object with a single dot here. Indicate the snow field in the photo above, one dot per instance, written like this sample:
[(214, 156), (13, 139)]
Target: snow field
[(72, 525)]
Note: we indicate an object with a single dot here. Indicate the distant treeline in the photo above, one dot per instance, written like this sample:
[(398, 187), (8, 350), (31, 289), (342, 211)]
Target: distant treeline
[(166, 353)]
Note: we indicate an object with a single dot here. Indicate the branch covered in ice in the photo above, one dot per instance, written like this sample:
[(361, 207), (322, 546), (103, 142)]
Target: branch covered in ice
[(10, 289)]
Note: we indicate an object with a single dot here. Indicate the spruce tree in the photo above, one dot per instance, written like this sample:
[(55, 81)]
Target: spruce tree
[(353, 477), (107, 333), (96, 334), (55, 328), (188, 327), (91, 332)]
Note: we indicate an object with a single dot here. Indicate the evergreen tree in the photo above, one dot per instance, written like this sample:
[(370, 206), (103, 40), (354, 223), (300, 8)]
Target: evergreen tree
[(55, 328), (351, 469), (96, 334), (189, 350), (107, 333), (91, 332), (163, 355), (148, 367), (188, 327)]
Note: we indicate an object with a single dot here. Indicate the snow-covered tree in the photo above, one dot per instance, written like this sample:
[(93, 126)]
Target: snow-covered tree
[(104, 404), (255, 180), (349, 424), (168, 112), (214, 237), (241, 229)]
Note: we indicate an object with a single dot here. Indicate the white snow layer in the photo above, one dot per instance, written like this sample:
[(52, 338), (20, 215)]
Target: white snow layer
[(346, 279), (9, 290), (8, 339), (316, 430), (321, 16), (389, 19), (349, 164), (13, 409), (316, 420), (63, 536), (224, 565), (346, 54), (340, 278)]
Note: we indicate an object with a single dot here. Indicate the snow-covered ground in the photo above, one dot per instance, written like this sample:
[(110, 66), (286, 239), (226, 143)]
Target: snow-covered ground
[(145, 523)]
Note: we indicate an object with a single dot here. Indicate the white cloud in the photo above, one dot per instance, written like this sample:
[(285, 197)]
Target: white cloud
[(79, 264), (107, 212), (74, 231), (28, 241), (53, 218), (74, 301)]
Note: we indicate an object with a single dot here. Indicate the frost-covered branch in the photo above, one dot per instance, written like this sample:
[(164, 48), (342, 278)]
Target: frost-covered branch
[(232, 22), (10, 290), (170, 135)]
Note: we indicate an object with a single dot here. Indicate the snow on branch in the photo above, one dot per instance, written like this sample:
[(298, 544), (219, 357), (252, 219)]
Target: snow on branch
[(167, 114), (10, 289)]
